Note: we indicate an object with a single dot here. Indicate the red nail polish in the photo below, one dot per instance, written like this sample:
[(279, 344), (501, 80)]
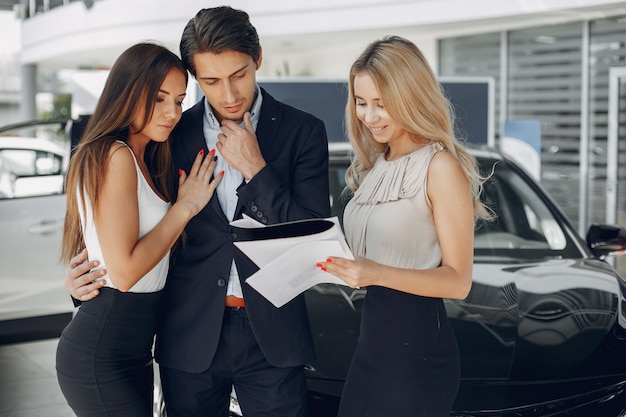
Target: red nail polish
[(212, 152), (318, 265), (329, 260), (201, 151), (222, 173), (180, 172), (323, 269)]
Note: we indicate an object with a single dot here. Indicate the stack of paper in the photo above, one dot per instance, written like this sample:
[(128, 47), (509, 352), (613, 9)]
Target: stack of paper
[(286, 254)]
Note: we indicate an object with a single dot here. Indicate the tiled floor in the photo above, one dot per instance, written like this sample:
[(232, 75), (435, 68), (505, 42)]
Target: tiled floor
[(28, 384)]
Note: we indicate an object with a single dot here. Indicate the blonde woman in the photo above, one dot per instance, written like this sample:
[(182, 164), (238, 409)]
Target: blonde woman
[(410, 223), (119, 206)]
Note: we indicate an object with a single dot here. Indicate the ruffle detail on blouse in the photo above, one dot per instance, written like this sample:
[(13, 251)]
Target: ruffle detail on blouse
[(393, 180)]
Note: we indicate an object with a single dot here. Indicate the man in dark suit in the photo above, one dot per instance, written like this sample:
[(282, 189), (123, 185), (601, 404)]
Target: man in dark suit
[(216, 331)]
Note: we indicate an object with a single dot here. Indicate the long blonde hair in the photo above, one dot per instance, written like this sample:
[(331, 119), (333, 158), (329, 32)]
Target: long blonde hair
[(134, 81), (414, 100)]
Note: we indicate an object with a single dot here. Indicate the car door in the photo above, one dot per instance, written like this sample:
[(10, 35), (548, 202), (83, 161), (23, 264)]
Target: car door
[(33, 301), (31, 275)]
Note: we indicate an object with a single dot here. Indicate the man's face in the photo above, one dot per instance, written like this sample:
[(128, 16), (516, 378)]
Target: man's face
[(228, 82)]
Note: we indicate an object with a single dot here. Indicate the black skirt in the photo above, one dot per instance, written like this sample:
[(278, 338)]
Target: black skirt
[(104, 357), (406, 362)]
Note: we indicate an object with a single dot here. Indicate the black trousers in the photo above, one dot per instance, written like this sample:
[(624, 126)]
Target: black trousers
[(262, 390), (104, 356)]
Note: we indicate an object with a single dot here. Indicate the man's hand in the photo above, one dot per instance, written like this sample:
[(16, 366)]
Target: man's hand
[(240, 148), (79, 282)]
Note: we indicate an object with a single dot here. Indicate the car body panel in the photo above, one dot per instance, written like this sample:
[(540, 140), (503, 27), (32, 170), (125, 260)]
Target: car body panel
[(31, 272)]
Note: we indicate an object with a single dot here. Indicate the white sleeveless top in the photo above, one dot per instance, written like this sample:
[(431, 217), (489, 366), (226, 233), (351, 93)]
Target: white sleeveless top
[(390, 219), (151, 210)]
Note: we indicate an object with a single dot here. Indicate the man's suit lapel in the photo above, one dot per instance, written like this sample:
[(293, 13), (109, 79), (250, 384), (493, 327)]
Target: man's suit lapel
[(193, 136), (269, 121), (193, 141)]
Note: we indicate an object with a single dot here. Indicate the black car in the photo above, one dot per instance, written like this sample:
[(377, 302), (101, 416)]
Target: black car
[(542, 332)]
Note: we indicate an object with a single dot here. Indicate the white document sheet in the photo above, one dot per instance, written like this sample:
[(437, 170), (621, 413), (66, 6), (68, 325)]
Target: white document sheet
[(287, 253)]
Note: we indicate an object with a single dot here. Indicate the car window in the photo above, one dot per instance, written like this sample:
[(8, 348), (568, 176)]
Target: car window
[(30, 163), (527, 224), (33, 159)]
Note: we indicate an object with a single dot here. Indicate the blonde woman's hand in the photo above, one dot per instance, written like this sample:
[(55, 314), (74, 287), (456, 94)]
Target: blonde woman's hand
[(196, 188), (356, 274)]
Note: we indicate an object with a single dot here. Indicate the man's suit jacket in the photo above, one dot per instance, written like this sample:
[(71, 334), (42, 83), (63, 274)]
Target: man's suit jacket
[(293, 186)]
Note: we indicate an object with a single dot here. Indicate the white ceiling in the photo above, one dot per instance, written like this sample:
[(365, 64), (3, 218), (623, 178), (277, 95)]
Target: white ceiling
[(72, 36)]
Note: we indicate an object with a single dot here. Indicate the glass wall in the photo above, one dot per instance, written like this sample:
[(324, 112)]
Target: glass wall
[(34, 7), (546, 70), (544, 79), (607, 50), (477, 55)]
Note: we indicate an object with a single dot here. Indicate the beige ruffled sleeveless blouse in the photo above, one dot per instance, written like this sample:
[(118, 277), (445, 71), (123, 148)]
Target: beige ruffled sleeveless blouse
[(390, 219)]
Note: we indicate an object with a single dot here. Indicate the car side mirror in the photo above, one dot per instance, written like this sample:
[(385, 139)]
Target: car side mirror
[(606, 240)]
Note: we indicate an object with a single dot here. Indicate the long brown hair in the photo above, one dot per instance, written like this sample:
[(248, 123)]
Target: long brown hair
[(414, 99), (134, 81)]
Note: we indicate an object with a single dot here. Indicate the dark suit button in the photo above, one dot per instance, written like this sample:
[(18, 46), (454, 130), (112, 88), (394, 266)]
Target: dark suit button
[(221, 282), (253, 208), (259, 214), (264, 220), (250, 203), (233, 236)]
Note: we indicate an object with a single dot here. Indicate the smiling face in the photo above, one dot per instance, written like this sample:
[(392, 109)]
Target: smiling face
[(370, 110), (167, 112), (228, 81)]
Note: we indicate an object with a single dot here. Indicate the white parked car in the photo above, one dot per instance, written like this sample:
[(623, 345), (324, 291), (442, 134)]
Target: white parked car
[(31, 167), (33, 300)]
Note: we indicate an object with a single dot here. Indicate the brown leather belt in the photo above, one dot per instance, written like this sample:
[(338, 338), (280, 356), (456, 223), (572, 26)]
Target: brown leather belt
[(232, 301)]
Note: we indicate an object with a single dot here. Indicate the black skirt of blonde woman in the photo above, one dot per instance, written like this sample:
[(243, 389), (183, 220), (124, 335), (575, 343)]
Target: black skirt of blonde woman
[(406, 362)]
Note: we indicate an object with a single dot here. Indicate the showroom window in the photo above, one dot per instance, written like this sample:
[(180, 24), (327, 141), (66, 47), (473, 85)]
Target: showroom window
[(607, 50), (545, 69), (544, 79), (477, 55)]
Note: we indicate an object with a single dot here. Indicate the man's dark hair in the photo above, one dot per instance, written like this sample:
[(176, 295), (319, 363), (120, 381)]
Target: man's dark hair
[(217, 30)]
